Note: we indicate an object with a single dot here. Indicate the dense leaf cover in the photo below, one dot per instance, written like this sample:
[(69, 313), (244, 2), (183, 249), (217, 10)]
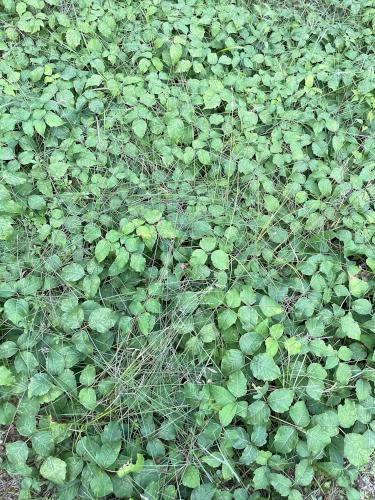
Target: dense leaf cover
[(187, 236)]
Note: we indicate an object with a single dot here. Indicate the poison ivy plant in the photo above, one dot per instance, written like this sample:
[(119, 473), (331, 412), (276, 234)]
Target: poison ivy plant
[(187, 235)]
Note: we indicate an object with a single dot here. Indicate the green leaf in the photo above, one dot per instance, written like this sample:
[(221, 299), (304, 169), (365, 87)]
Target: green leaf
[(8, 349), (332, 125), (293, 346), (317, 439), (87, 376), (73, 38), (146, 322), (102, 319), (245, 166), (108, 454), (350, 327), (138, 263), (198, 258), (248, 317), (94, 81), (40, 127), (122, 487), (269, 307), (155, 448), (221, 395), (166, 229), (6, 153), (362, 389), (6, 229), (97, 481), (300, 414), (281, 484), (233, 298), (365, 86), (72, 272), (175, 52), (102, 249), (87, 398), (73, 318), (362, 306), (129, 468), (357, 449), (227, 413), (205, 491), (272, 346), (208, 333), (295, 495), (249, 455), (52, 119), (237, 384), (280, 400), (251, 342), (43, 443), (90, 286), (226, 319), (91, 232), (347, 413), (309, 81), (258, 413), (16, 311), (96, 106), (220, 260), (271, 203), (315, 388), (111, 433), (261, 478), (358, 287), (304, 473), (183, 66), (54, 469), (328, 421), (148, 235), (7, 411), (39, 385), (264, 368), (259, 436), (139, 127), (286, 439), (152, 216), (191, 477), (17, 452), (211, 99), (232, 361), (337, 142)]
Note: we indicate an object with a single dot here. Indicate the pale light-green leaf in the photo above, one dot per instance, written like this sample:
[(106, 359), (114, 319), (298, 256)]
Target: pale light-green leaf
[(264, 368), (54, 469), (102, 319), (73, 38), (220, 260)]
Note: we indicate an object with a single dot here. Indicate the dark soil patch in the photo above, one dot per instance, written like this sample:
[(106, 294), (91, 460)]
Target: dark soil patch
[(366, 482), (9, 486)]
